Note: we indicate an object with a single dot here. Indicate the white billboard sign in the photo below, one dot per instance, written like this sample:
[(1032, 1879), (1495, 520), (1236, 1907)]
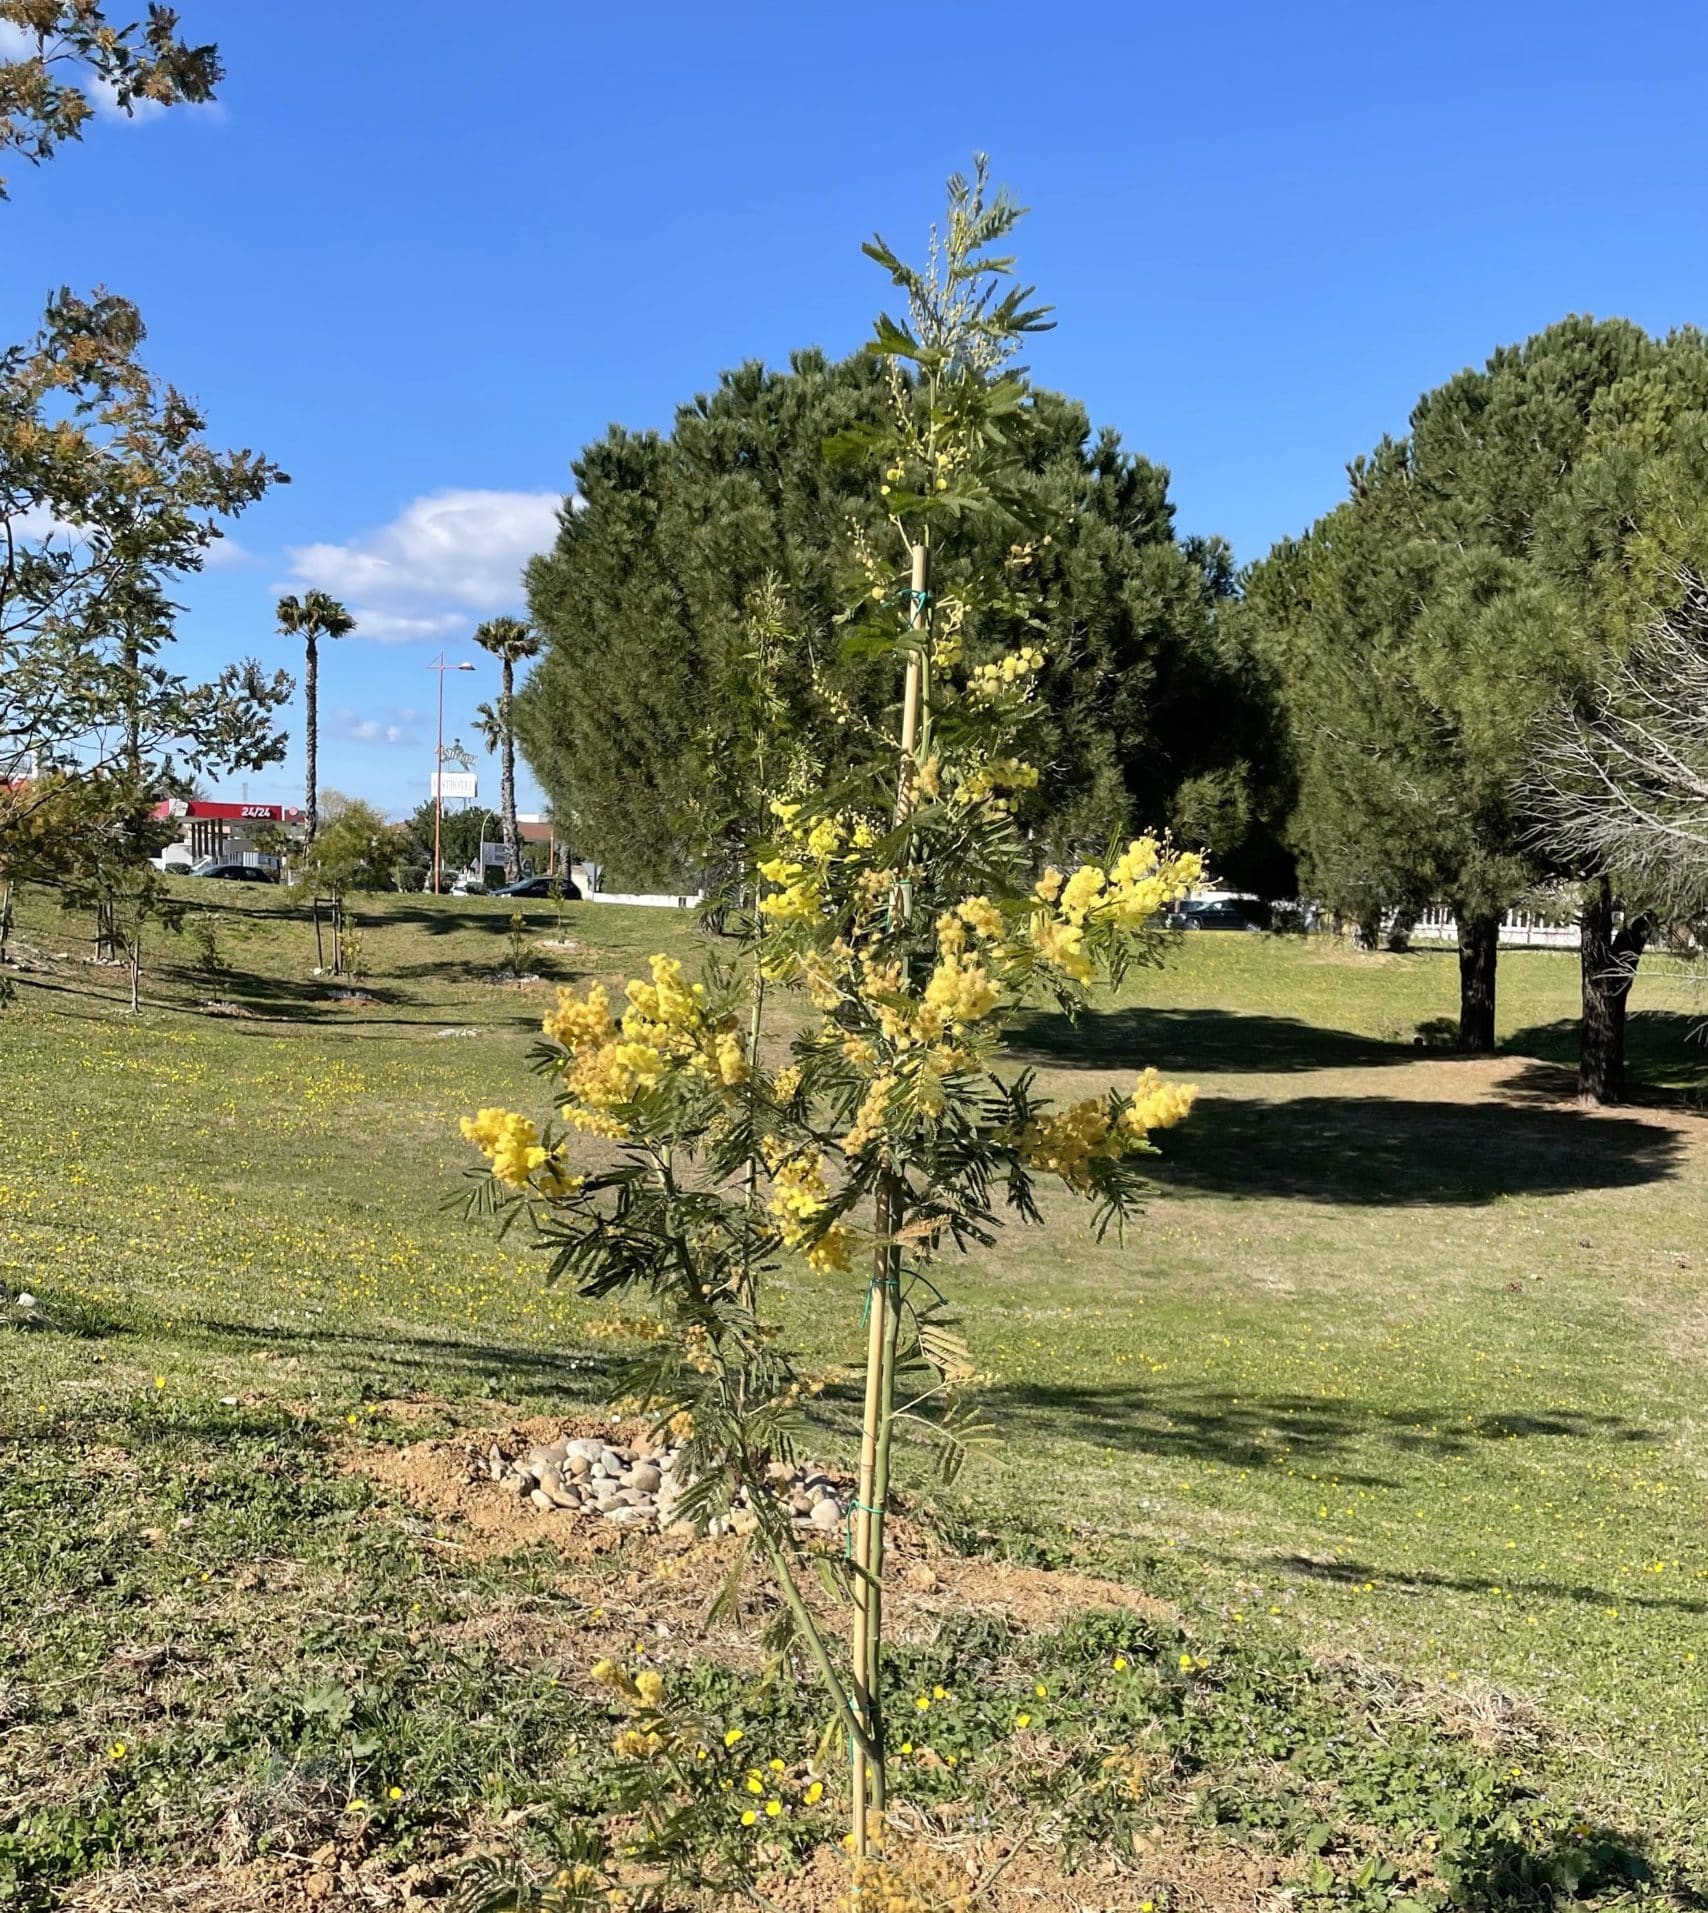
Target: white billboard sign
[(463, 786)]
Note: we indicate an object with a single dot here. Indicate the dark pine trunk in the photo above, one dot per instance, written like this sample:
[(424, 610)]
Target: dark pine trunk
[(1609, 961), (1479, 949), (311, 738)]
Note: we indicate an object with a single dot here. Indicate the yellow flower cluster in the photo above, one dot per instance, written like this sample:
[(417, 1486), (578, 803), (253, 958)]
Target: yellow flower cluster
[(959, 990), (1143, 881), (797, 895), (869, 1118), (799, 1196), (511, 1144), (644, 1690), (664, 1027), (1156, 1104), (1068, 1141), (798, 872), (988, 682)]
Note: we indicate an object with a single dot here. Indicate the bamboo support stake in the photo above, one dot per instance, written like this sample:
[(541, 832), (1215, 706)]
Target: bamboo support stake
[(881, 1328)]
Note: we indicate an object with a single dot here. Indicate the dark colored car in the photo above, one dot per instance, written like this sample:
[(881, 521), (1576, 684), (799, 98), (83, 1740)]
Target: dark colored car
[(1208, 913), (238, 873), (540, 887)]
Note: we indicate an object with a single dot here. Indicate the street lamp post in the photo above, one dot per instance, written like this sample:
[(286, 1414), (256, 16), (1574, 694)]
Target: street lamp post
[(441, 667)]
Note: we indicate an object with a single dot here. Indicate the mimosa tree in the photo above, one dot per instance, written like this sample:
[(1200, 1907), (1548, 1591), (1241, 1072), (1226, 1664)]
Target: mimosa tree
[(899, 924)]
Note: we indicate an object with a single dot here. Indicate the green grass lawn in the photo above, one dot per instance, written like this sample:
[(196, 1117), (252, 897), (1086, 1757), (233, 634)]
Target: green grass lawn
[(1402, 1371)]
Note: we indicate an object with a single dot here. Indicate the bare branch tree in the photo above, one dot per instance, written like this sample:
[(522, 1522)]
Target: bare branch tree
[(1620, 784)]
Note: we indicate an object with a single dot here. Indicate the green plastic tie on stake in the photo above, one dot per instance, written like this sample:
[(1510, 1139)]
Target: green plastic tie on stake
[(854, 1506)]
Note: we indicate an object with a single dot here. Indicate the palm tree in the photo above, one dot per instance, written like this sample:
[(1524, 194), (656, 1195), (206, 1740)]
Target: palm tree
[(313, 616), (510, 641)]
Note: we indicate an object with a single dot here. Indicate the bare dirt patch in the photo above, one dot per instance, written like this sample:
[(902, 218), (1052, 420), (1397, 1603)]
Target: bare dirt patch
[(665, 1580), (1202, 1877)]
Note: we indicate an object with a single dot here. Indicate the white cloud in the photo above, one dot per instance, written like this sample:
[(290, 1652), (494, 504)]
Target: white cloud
[(443, 561), (392, 627), (104, 97), (226, 554), (36, 525), (394, 727)]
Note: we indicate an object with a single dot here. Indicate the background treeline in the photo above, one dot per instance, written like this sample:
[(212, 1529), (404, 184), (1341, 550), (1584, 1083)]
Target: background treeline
[(640, 719), (1400, 706)]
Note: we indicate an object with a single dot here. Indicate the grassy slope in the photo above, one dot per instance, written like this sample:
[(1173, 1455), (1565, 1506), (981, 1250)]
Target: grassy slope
[(1405, 1349)]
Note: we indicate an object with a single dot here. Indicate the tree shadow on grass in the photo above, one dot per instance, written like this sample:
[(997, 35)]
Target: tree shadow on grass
[(1206, 1041), (1247, 1431), (395, 1358), (398, 1357), (1379, 1150), (1503, 1872), (1345, 1573), (1666, 1053)]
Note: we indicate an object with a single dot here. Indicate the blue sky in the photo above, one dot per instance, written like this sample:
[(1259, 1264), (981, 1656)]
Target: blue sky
[(421, 253)]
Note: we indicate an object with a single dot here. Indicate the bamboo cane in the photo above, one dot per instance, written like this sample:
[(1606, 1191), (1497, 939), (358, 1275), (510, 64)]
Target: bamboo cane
[(869, 1788)]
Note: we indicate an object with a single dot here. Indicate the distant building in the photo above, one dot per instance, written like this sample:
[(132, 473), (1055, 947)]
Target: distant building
[(1519, 929), (226, 831)]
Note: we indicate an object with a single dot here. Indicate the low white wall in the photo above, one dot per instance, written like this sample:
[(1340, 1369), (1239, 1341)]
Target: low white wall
[(645, 903)]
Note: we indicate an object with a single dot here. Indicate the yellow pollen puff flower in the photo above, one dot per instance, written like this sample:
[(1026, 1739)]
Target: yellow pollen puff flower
[(824, 840), (1155, 1104), (960, 989), (581, 1024), (730, 1059), (982, 916), (1061, 944), (786, 1082), (1082, 892), (649, 1684)]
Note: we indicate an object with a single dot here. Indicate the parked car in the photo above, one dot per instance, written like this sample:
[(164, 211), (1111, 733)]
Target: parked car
[(236, 873), (1210, 913), (540, 887)]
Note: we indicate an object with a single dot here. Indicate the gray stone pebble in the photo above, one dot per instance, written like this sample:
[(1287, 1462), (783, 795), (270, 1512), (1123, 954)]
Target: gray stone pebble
[(642, 1486)]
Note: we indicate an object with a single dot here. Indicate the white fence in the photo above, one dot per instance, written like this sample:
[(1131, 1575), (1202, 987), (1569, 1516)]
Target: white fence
[(647, 903), (1519, 929)]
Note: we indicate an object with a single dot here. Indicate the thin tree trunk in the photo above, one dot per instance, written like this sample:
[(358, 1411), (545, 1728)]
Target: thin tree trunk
[(311, 737), (1609, 962), (507, 772), (1479, 950)]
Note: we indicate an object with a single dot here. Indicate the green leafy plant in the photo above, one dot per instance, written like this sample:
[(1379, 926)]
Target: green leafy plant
[(904, 907)]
